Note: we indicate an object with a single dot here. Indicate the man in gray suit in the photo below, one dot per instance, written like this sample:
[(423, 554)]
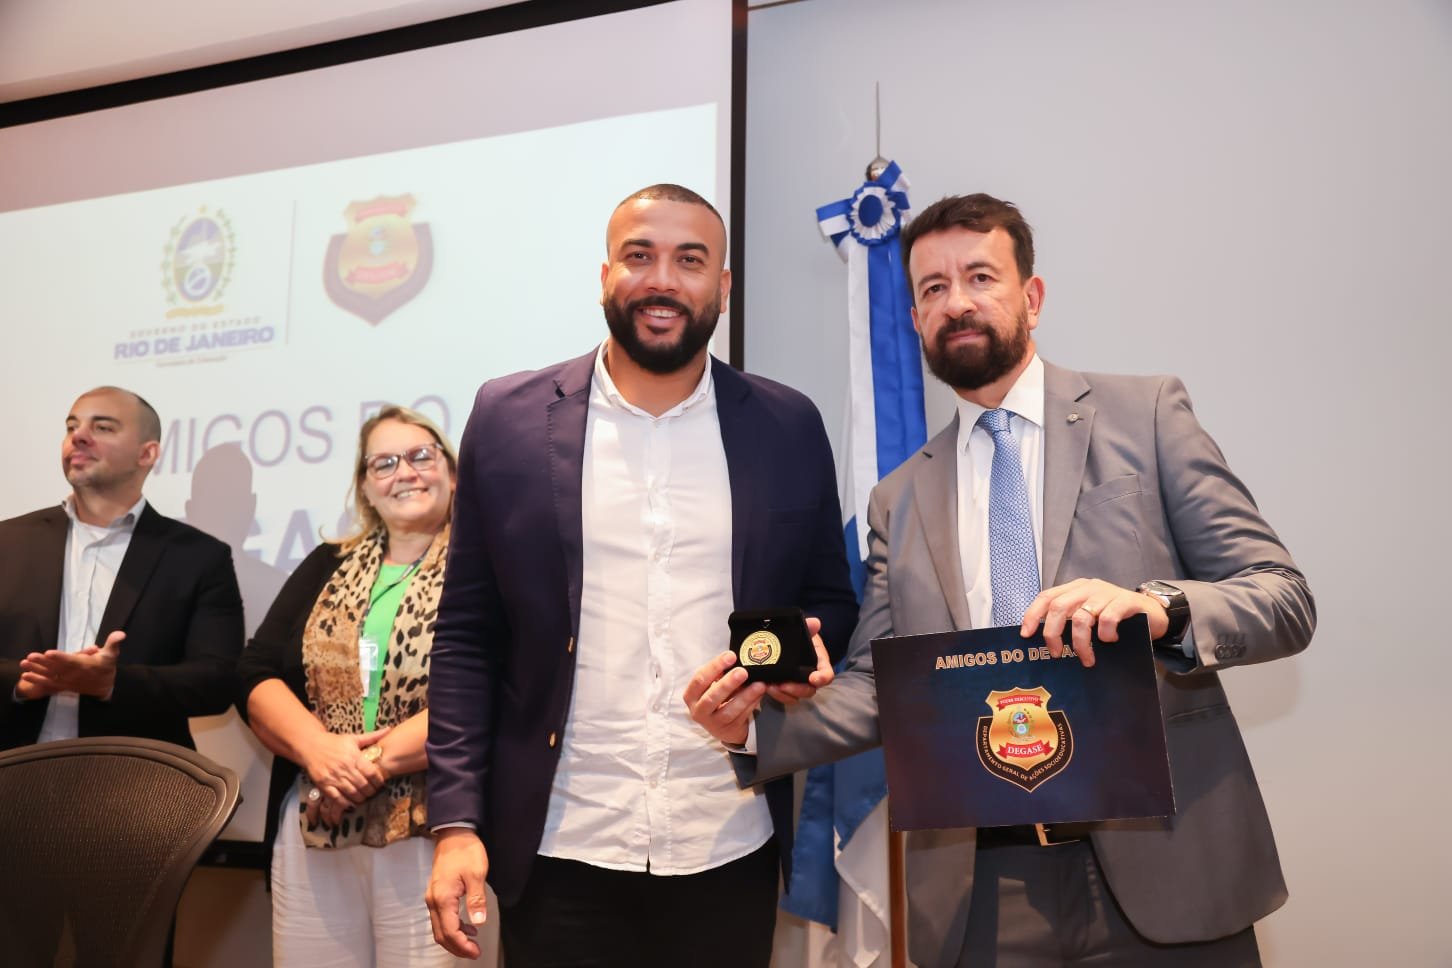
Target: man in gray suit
[(1108, 491)]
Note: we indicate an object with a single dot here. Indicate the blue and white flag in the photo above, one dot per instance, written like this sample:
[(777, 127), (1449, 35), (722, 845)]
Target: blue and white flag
[(886, 422)]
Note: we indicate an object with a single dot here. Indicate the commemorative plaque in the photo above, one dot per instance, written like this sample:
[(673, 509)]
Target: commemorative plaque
[(983, 728)]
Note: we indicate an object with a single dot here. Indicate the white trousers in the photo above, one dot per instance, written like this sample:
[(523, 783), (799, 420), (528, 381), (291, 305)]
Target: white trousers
[(354, 907)]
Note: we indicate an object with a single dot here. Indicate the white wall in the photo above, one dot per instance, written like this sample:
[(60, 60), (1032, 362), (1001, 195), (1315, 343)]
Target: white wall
[(1252, 196)]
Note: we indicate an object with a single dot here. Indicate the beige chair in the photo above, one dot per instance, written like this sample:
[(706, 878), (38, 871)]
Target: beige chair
[(98, 837)]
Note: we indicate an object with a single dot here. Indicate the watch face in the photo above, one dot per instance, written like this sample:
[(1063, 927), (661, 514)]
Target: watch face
[(1161, 590), (1176, 605)]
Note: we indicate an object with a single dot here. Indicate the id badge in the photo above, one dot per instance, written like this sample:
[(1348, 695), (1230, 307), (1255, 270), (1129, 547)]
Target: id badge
[(367, 660)]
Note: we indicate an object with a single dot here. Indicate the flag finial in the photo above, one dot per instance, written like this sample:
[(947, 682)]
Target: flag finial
[(879, 164)]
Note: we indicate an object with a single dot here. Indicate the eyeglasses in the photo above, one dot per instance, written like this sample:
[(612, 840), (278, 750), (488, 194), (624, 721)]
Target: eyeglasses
[(420, 458)]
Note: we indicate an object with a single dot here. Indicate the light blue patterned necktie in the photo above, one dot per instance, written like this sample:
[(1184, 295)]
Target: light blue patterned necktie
[(1012, 562)]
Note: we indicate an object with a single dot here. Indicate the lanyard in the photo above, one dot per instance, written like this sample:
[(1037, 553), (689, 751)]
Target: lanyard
[(374, 597), (371, 653)]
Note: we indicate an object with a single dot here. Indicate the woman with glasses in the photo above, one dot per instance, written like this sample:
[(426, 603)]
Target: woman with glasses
[(335, 684)]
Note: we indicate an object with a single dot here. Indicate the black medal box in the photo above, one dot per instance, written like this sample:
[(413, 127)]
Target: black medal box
[(772, 644)]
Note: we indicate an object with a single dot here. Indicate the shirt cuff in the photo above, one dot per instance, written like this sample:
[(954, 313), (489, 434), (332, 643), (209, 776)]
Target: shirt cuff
[(747, 748), (1185, 645), (457, 823), (1188, 642)]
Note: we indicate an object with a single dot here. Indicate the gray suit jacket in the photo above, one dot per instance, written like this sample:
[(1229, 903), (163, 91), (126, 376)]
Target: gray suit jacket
[(1134, 489)]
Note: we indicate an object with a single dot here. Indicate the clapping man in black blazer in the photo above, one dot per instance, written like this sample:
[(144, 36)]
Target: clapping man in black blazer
[(114, 620)]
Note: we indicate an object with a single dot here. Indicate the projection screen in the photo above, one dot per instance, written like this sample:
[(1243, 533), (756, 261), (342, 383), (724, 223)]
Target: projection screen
[(269, 262)]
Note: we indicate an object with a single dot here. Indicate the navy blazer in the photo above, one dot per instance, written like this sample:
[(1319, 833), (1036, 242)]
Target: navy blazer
[(176, 599), (503, 660)]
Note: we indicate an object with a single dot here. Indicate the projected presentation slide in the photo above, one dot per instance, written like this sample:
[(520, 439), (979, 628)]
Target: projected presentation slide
[(270, 263), (266, 316)]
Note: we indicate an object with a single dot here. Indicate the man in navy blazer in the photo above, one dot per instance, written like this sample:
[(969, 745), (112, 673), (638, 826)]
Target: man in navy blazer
[(612, 510)]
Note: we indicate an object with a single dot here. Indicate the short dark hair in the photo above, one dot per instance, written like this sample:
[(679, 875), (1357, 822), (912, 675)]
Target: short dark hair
[(667, 192), (977, 213)]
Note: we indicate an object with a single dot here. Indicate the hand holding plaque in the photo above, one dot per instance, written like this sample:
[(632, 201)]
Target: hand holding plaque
[(773, 644)]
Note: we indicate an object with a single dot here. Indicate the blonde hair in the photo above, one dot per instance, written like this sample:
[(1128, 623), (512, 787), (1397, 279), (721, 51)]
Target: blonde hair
[(365, 515)]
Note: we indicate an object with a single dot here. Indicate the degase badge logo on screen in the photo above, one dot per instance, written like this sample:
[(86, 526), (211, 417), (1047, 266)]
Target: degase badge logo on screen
[(383, 259)]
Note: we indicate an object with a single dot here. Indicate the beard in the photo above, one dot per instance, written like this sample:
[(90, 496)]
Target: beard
[(974, 367), (662, 358), (94, 475)]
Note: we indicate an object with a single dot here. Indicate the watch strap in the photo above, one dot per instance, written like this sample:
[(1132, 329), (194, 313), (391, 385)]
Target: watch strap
[(1177, 609)]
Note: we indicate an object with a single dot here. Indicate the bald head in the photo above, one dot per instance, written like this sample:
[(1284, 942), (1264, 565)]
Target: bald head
[(144, 416), (113, 439)]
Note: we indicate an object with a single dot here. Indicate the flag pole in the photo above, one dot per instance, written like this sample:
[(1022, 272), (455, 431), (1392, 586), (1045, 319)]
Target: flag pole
[(878, 164), (896, 840), (897, 896), (886, 424)]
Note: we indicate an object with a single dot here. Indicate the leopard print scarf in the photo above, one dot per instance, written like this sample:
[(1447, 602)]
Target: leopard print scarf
[(335, 691)]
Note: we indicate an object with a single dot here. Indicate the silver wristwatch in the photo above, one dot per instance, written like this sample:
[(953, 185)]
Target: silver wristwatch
[(1177, 607)]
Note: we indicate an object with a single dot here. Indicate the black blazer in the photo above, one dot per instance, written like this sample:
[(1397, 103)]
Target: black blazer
[(176, 599), (275, 652)]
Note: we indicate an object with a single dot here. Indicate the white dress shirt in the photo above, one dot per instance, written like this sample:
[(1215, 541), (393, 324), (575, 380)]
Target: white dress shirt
[(1025, 400), (640, 786), (93, 557)]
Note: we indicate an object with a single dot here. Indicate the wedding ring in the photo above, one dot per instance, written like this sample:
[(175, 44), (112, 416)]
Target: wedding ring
[(1086, 608), (314, 795)]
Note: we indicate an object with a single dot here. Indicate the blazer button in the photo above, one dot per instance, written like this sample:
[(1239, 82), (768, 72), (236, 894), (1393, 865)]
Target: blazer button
[(570, 646), (553, 739)]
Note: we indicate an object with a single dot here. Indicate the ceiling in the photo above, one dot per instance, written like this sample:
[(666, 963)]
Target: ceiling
[(51, 46)]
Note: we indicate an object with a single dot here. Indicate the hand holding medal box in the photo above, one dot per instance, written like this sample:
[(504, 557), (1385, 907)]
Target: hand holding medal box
[(772, 644)]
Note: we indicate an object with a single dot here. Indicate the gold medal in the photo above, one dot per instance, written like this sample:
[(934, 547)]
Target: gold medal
[(760, 648)]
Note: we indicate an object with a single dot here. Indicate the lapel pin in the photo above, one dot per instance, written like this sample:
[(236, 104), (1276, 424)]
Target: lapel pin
[(1073, 418)]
